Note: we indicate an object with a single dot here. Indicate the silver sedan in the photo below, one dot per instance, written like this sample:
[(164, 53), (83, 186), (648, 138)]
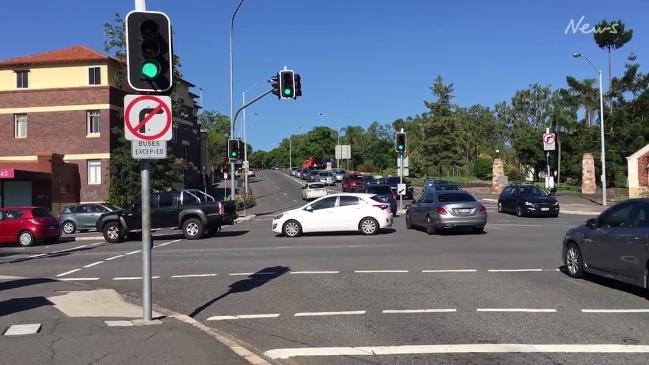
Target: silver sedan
[(436, 210)]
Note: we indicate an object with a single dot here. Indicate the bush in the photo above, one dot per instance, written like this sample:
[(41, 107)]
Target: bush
[(514, 174), (482, 168), (243, 199)]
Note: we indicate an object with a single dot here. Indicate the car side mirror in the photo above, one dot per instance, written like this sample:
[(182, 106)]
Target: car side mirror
[(309, 209), (591, 223)]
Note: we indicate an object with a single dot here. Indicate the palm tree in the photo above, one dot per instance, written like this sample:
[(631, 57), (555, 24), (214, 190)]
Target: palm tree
[(587, 96), (611, 36)]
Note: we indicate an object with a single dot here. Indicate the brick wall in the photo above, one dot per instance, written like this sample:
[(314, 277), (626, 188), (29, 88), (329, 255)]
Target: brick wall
[(52, 97), (643, 175)]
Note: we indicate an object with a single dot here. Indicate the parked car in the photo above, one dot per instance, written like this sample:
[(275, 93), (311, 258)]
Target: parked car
[(430, 182), (393, 181), (352, 183), (326, 177), (369, 180), (294, 171), (443, 187), (313, 176), (385, 194), (251, 172), (437, 210), (312, 191), (26, 225), (334, 213), (190, 210), (339, 174), (613, 245), (83, 217), (527, 200), (305, 174)]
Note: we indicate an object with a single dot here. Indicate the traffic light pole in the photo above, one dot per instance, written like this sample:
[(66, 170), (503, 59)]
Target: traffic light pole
[(234, 120), (401, 180)]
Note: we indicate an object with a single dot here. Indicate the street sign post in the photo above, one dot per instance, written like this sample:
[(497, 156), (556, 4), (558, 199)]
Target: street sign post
[(406, 162), (149, 150), (401, 189), (147, 118), (549, 142), (343, 152)]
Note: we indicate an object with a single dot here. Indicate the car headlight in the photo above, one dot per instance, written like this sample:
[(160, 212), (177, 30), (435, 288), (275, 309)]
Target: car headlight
[(529, 204), (279, 216), (556, 204)]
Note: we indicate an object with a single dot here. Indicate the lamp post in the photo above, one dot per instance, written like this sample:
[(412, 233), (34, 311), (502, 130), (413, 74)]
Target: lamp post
[(234, 14), (601, 125)]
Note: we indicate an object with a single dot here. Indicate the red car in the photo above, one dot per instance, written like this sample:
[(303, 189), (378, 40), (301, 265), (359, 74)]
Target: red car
[(352, 183), (26, 225)]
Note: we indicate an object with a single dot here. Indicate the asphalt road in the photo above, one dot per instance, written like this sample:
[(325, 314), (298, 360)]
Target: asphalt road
[(400, 297)]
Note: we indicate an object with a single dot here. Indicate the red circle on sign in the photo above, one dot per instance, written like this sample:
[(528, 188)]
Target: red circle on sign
[(127, 113), (549, 138)]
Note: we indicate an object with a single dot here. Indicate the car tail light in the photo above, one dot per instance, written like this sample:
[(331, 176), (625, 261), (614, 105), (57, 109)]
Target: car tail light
[(441, 211), (222, 209), (483, 210), (382, 206)]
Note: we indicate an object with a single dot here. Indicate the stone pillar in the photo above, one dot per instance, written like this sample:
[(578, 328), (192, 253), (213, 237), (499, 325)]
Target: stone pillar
[(588, 185), (497, 171)]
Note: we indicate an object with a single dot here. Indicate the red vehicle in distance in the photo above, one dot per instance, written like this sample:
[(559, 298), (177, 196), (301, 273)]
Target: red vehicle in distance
[(26, 225)]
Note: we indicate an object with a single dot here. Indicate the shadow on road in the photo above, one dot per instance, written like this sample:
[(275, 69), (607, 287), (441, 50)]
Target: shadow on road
[(19, 283), (610, 283), (50, 255), (16, 305), (253, 281)]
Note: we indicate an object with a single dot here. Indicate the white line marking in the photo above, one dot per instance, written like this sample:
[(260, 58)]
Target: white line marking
[(96, 243), (251, 273), (39, 255), (78, 279), (166, 243), (243, 316), (526, 310), (442, 310), (551, 270), (516, 270), (23, 329), (314, 272), (93, 264), (114, 257), (192, 275), (133, 278), (67, 273), (308, 314), (132, 252), (615, 310), (458, 270), (454, 349), (379, 271), (68, 249)]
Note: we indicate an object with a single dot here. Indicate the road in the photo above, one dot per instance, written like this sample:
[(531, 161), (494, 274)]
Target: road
[(400, 297)]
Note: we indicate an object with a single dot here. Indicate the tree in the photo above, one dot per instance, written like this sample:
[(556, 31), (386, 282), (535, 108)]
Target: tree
[(611, 36)]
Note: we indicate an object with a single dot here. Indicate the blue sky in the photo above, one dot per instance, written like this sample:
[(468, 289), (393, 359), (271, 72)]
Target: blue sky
[(360, 60)]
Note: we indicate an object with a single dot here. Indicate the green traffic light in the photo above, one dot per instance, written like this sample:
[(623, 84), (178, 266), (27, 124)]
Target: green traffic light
[(287, 91), (400, 146), (234, 154), (150, 69)]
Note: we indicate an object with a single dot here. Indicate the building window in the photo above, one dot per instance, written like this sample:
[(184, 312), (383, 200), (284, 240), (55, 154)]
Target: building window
[(93, 120), (20, 125), (22, 79), (94, 76), (94, 172)]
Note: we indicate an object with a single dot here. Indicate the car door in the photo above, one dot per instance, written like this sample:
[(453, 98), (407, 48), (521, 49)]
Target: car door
[(631, 244), (95, 211), (347, 214), (12, 224), (82, 216), (603, 244), (163, 210), (4, 228), (415, 211), (320, 217)]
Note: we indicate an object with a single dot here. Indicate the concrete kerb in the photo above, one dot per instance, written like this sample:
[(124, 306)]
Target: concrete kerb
[(244, 218)]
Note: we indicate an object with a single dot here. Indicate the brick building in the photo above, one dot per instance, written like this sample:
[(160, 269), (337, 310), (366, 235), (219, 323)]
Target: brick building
[(56, 112), (638, 165)]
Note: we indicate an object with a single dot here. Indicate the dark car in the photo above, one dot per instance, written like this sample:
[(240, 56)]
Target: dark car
[(26, 225), (527, 200), (352, 183), (437, 210), (434, 181), (443, 187), (393, 181), (385, 194), (369, 180), (613, 245), (83, 217)]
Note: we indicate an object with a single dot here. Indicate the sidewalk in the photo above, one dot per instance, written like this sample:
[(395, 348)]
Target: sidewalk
[(66, 331)]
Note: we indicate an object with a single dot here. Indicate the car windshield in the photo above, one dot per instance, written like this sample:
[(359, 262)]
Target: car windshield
[(447, 187), (112, 207), (380, 190), (531, 191), (357, 178), (41, 212), (316, 186), (455, 197), (393, 180)]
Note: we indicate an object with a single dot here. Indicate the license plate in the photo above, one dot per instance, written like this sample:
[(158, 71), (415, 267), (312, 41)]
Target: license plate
[(545, 209), (51, 228), (464, 210)]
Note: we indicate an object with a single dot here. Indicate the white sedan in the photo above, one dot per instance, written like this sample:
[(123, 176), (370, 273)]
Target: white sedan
[(333, 213), (312, 191)]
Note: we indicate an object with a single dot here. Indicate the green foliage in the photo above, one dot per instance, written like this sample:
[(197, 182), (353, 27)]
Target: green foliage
[(244, 200), (514, 174), (612, 35), (482, 168)]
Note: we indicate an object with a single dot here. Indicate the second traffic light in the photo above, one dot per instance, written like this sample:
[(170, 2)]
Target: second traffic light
[(400, 142), (286, 84), (149, 55), (233, 149)]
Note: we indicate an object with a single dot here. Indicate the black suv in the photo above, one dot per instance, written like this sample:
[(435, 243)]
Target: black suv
[(528, 200), (191, 210)]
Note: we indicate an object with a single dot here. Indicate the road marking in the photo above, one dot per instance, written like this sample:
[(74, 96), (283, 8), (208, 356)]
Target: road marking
[(68, 249), (67, 273), (458, 270), (114, 257), (23, 329), (167, 243), (251, 273), (286, 353), (309, 314), (243, 316), (133, 278), (93, 264), (525, 310), (551, 270), (132, 252), (515, 270), (39, 255), (294, 201), (615, 310), (96, 243), (192, 275), (285, 194), (379, 271), (79, 279), (442, 310), (314, 272)]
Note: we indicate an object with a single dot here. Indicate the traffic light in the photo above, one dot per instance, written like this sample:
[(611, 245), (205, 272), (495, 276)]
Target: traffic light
[(274, 83), (287, 84), (233, 149), (298, 85), (400, 142), (148, 51)]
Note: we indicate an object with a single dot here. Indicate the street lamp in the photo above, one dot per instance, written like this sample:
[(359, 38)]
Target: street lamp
[(234, 14), (338, 144), (601, 124)]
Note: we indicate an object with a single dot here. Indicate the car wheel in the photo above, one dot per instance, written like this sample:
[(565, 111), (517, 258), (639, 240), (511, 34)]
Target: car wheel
[(369, 226), (519, 211), (193, 228), (26, 239), (408, 223), (574, 262), (477, 230), (292, 228), (69, 227), (430, 226), (113, 232), (500, 207)]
